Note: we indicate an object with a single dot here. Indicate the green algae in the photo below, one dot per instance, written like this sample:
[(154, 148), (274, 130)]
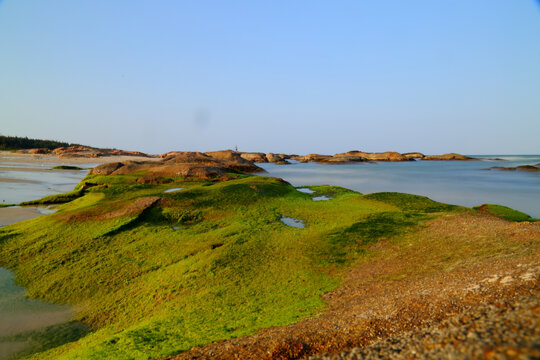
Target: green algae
[(147, 290), (504, 212)]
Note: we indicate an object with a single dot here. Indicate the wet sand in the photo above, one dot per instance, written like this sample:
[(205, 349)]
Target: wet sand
[(10, 215), (7, 157)]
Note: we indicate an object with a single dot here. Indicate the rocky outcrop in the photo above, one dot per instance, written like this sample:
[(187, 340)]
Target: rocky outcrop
[(183, 164), (90, 152), (450, 156), (375, 156), (413, 155), (38, 151), (530, 168), (254, 157), (280, 159)]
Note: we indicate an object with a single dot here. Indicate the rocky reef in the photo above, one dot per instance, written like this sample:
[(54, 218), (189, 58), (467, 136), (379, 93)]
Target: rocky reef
[(530, 168), (183, 164), (449, 156)]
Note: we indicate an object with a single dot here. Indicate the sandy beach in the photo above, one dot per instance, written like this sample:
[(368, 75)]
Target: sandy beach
[(12, 157)]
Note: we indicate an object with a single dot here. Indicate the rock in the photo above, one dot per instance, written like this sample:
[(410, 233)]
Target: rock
[(277, 158), (106, 169), (39, 151), (127, 153), (254, 157), (531, 168), (413, 155), (449, 156), (182, 164), (312, 158), (376, 156)]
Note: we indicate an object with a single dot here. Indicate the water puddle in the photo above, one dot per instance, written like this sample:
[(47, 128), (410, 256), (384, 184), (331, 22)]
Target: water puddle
[(173, 190), (305, 190), (28, 325), (321, 198), (292, 222), (46, 210)]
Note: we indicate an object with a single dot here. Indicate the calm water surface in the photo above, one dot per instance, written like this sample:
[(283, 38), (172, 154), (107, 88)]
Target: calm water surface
[(464, 183)]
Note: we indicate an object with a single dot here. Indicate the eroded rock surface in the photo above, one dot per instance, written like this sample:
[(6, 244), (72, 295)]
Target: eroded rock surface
[(184, 164)]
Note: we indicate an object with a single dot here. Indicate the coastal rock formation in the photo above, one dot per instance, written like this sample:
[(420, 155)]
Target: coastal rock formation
[(185, 164), (413, 155), (531, 168), (450, 156), (254, 157), (91, 152), (34, 151), (279, 159), (312, 158), (376, 156)]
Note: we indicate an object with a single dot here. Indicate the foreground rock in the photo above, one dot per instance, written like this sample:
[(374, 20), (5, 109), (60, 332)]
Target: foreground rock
[(381, 311), (489, 331), (185, 164)]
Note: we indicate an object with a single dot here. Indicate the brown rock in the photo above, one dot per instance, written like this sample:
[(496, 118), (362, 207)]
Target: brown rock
[(254, 157), (182, 164), (449, 156), (39, 151), (413, 155), (279, 159), (127, 153), (376, 156), (312, 158), (531, 168)]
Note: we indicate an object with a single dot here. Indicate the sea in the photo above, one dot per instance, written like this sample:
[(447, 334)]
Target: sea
[(466, 183)]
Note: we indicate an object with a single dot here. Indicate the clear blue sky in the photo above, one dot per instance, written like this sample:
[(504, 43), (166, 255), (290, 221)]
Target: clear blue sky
[(283, 76)]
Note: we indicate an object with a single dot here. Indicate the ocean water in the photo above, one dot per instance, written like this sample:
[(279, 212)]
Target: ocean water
[(30, 181), (465, 183)]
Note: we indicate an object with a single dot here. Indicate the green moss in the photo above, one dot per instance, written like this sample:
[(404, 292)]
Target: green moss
[(55, 199), (228, 267), (408, 202), (504, 212)]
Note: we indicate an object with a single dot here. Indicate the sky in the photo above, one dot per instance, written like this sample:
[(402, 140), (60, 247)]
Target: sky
[(303, 76)]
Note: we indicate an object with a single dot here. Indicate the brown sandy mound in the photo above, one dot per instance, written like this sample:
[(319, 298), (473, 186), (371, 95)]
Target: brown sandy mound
[(452, 264)]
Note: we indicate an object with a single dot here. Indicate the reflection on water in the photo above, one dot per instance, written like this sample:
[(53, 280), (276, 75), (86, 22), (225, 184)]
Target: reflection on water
[(173, 190), (28, 324), (321, 198), (464, 183), (292, 222), (306, 190)]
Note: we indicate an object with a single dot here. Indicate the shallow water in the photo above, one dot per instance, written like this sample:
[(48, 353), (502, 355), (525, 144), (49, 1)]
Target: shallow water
[(173, 190), (20, 314), (464, 183), (292, 222), (321, 198), (305, 190), (30, 181)]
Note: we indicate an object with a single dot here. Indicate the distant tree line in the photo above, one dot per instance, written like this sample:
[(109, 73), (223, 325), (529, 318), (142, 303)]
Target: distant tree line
[(15, 143)]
